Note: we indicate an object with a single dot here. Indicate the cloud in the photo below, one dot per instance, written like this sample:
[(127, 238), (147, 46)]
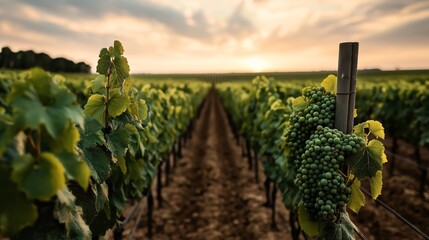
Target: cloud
[(292, 34), (238, 24), (412, 34), (389, 7), (170, 18)]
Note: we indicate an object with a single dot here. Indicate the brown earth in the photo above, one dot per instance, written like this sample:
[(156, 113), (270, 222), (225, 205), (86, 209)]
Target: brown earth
[(213, 195)]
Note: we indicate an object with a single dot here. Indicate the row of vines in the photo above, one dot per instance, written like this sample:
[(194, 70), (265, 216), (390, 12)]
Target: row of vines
[(317, 168), (73, 154)]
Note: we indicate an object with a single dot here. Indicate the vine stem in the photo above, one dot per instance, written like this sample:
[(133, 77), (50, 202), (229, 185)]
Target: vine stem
[(31, 141), (351, 182), (344, 175)]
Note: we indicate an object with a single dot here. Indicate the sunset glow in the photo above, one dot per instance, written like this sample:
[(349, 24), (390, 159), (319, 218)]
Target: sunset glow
[(225, 35)]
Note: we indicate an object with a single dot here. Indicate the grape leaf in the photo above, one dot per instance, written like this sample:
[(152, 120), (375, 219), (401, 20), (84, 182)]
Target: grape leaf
[(118, 103), (299, 103), (103, 62), (135, 139), (98, 161), (53, 111), (277, 105), (91, 135), (122, 164), (117, 142), (309, 226), (143, 109), (330, 84), (96, 108), (98, 83), (75, 168), (376, 184), (102, 200), (341, 230), (67, 140), (41, 81), (367, 161), (118, 48), (16, 212), (360, 129), (71, 216), (357, 199), (120, 72), (41, 180), (376, 128), (126, 86)]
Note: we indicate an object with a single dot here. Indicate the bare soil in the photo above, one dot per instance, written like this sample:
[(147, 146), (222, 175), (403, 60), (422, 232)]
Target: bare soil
[(212, 194)]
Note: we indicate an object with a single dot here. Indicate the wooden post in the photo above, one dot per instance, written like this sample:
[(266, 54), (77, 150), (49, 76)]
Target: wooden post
[(346, 86)]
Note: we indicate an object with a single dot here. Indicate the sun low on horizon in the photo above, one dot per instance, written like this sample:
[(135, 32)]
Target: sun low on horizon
[(187, 36)]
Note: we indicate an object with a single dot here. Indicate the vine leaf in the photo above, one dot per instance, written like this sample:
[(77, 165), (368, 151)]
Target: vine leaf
[(33, 106), (357, 199), (299, 103), (42, 180), (118, 103), (117, 142), (98, 83), (67, 140), (330, 84), (91, 135), (117, 50), (103, 63), (367, 161), (96, 108), (16, 212), (122, 164), (360, 129), (376, 128), (309, 226), (376, 185), (343, 229), (144, 109), (121, 70), (71, 215), (75, 168), (98, 162), (277, 105)]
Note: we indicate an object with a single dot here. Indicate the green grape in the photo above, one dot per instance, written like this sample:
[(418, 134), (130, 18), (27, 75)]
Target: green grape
[(324, 191)]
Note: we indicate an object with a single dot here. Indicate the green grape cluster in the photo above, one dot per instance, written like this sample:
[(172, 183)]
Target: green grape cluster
[(320, 110), (323, 188)]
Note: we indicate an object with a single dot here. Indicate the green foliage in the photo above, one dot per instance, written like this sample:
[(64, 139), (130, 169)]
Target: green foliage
[(308, 225), (16, 212), (357, 199), (40, 156), (67, 173)]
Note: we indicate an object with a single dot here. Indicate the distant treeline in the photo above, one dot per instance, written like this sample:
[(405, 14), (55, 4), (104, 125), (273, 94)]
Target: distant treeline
[(29, 59)]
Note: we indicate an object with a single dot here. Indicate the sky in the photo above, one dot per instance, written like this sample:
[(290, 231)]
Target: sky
[(201, 36)]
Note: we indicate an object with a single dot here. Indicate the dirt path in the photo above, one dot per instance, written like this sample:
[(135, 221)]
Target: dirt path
[(212, 194)]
